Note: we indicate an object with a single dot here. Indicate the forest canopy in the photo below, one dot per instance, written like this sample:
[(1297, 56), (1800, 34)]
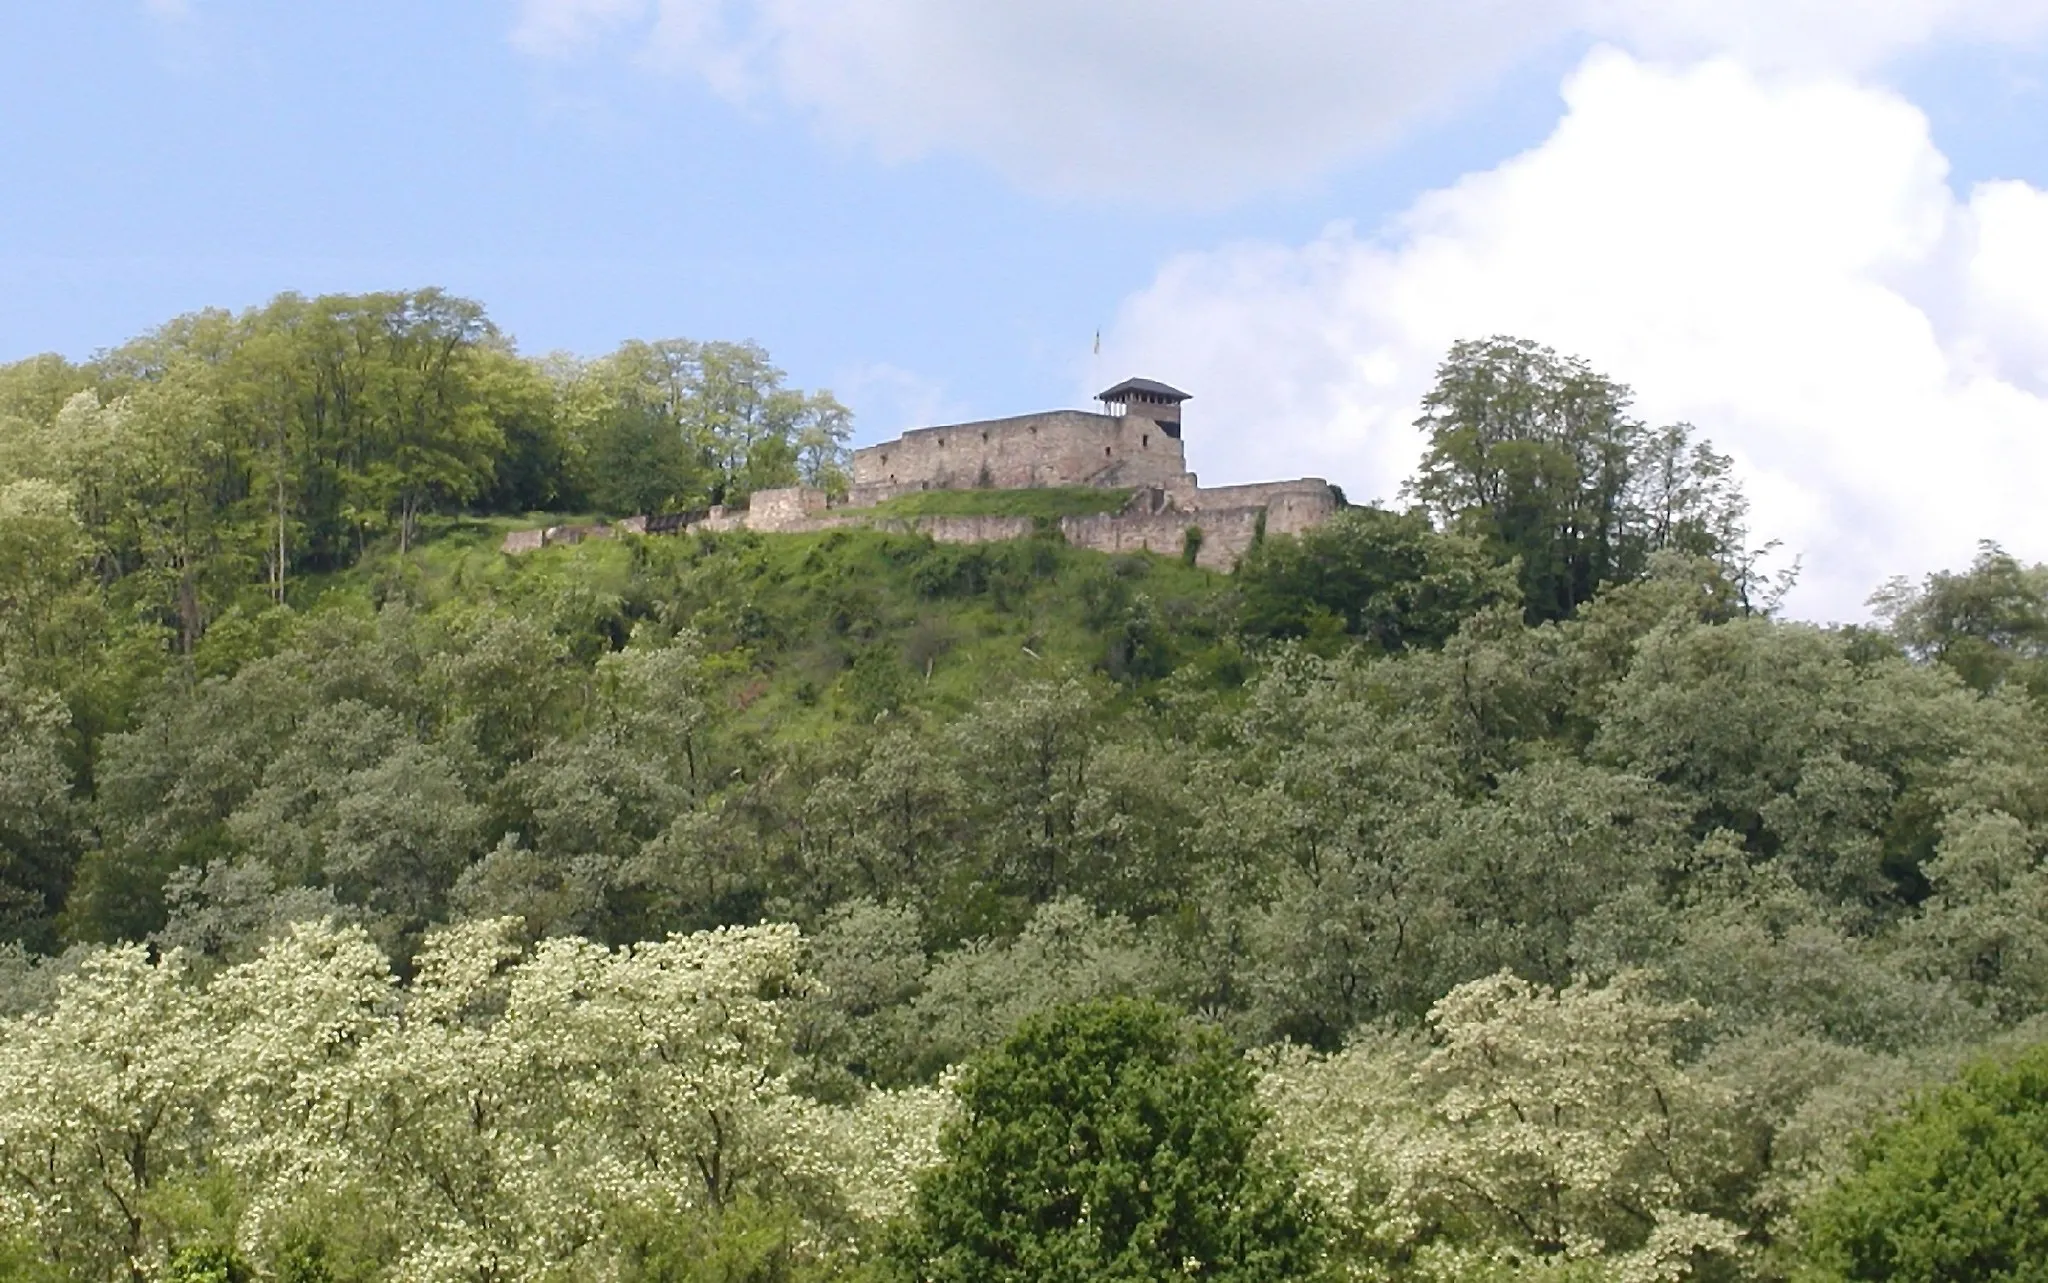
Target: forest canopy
[(1491, 888)]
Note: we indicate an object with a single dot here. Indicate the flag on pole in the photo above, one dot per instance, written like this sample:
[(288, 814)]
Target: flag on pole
[(1098, 342)]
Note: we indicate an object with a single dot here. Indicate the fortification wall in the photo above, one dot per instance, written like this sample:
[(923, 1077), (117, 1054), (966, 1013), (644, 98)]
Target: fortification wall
[(1290, 514), (1228, 528), (1261, 494), (1057, 448), (792, 504), (1227, 533)]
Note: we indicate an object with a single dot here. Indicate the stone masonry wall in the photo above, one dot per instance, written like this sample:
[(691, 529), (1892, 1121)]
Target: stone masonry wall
[(766, 507), (1156, 521), (1290, 514), (1058, 448), (1258, 495), (1226, 534)]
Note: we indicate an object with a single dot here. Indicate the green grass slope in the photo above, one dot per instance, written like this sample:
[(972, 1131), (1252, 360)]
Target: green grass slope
[(821, 628)]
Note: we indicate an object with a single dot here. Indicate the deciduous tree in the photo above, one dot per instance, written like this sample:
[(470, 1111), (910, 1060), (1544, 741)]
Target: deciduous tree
[(1107, 1141)]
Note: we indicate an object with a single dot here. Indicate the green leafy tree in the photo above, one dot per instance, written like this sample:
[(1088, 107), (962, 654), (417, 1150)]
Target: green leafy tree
[(1952, 1192), (44, 552), (1778, 734), (207, 1263), (1029, 753), (1988, 623), (33, 390), (432, 440), (39, 835), (823, 428), (977, 994), (1537, 455), (1107, 1141), (638, 464), (1386, 578), (1981, 926)]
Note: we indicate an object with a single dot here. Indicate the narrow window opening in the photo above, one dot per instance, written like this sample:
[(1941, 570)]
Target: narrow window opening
[(1145, 443)]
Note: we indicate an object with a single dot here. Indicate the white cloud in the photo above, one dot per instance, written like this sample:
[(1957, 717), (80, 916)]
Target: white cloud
[(1779, 261), (1807, 34), (1193, 100), (1188, 98)]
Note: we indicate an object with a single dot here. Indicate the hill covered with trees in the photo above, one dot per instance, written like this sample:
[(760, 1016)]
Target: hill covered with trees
[(1492, 888)]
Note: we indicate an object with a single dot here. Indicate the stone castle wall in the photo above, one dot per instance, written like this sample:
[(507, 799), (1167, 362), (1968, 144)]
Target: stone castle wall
[(1226, 535), (768, 507), (1260, 495), (1057, 448), (1153, 522)]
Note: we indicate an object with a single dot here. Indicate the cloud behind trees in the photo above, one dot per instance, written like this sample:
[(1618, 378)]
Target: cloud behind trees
[(1778, 259)]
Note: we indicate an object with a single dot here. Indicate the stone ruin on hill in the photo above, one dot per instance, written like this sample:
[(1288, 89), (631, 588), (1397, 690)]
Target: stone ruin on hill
[(1134, 444)]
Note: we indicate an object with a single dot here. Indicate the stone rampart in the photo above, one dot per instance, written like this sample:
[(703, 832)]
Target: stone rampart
[(1057, 448), (1227, 534), (1157, 520), (766, 508), (1290, 514), (1262, 494)]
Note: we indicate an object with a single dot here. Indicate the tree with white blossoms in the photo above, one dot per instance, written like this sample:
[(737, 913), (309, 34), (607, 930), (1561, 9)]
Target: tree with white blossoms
[(102, 1097), (1535, 1133), (509, 1114), (519, 1103)]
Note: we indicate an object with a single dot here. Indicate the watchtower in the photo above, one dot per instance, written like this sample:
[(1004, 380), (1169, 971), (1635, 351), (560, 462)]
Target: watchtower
[(1145, 398)]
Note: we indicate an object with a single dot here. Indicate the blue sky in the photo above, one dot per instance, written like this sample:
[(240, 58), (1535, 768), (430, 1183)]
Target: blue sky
[(1287, 208), (217, 156)]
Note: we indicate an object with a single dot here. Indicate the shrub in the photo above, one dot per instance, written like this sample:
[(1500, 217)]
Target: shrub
[(1956, 1190), (1107, 1140)]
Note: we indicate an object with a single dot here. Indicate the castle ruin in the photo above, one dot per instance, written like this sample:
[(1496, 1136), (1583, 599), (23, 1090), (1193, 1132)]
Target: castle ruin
[(1133, 444)]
